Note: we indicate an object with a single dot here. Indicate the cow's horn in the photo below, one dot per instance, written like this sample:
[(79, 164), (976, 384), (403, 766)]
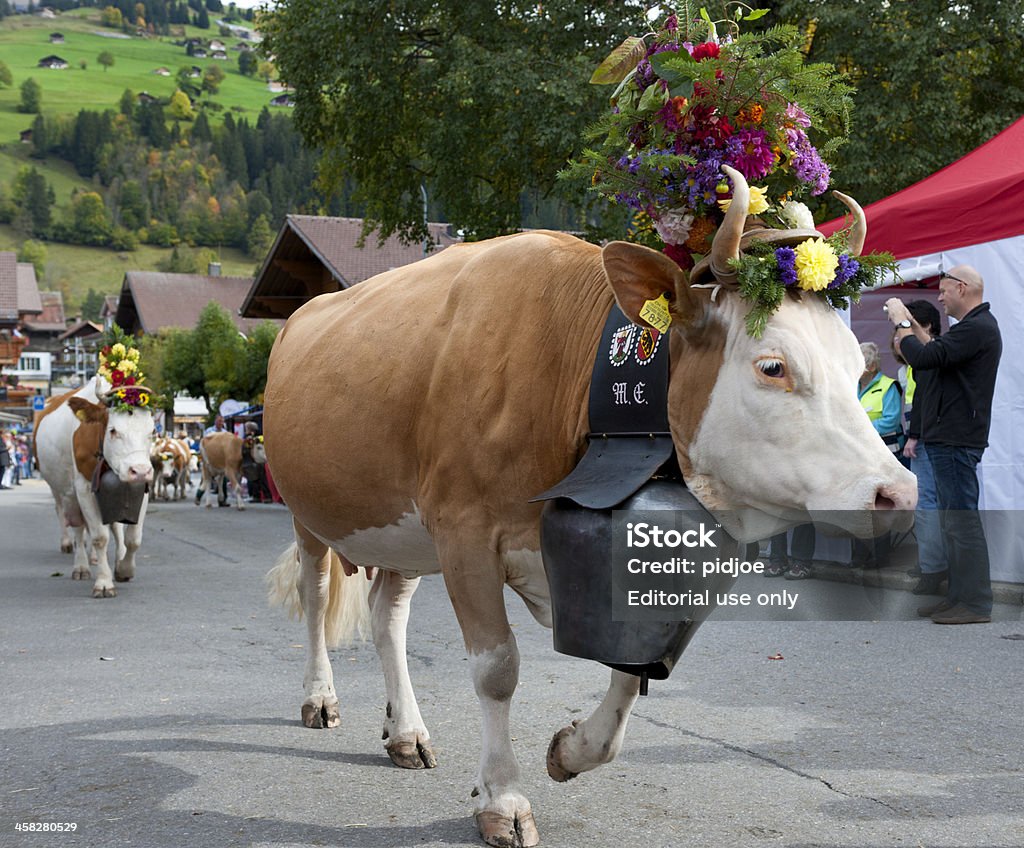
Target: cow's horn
[(726, 245), (859, 230)]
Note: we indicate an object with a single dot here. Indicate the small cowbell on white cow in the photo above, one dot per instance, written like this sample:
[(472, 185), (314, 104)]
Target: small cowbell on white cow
[(80, 439)]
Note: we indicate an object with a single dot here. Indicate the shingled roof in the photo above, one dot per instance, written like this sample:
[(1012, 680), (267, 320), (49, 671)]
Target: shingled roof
[(151, 301), (19, 292), (314, 255), (51, 319)]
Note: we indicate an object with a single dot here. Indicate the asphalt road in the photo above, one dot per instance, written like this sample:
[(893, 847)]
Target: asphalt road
[(169, 717)]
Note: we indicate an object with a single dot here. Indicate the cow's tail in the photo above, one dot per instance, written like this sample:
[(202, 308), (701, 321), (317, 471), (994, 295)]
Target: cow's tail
[(348, 608)]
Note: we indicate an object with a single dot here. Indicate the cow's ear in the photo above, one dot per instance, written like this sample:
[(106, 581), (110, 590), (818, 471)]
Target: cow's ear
[(640, 277), (89, 412)]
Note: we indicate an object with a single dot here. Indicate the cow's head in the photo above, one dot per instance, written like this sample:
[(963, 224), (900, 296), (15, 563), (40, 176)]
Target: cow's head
[(767, 430), (125, 439)]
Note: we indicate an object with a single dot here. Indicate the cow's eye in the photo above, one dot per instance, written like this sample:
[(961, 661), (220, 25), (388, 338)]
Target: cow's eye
[(114, 434), (773, 368)]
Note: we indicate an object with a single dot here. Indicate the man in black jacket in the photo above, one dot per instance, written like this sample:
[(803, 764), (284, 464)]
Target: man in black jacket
[(955, 416)]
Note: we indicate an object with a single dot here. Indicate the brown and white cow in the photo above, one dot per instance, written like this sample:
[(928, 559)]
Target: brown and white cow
[(222, 454), (170, 458), (74, 432), (444, 395)]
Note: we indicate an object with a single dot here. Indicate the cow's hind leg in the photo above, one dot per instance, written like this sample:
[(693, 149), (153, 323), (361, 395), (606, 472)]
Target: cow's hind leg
[(407, 739), (475, 583), (584, 745), (320, 708)]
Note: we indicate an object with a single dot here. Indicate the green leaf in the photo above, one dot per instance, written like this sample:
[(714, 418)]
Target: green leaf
[(712, 32), (654, 97), (757, 13), (620, 62), (659, 63), (683, 89)]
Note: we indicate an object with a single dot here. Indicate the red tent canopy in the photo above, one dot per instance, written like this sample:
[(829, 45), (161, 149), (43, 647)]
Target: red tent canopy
[(976, 199)]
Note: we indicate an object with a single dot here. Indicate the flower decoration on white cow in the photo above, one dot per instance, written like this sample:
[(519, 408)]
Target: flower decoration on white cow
[(119, 366), (692, 102)]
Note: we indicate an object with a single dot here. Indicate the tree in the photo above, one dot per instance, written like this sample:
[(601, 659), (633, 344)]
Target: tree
[(36, 199), (111, 17), (203, 19), (40, 138), (934, 80), (265, 71), (106, 59), (6, 80), (247, 63), (180, 107), (31, 97), (92, 304), (90, 223), (127, 103), (213, 76), (35, 252), (260, 238), (477, 102)]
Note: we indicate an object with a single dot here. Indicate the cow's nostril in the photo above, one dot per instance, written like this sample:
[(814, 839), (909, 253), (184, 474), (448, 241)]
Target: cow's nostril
[(883, 502)]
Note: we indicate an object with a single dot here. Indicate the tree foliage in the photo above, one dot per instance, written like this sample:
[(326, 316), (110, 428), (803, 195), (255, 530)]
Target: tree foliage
[(106, 59), (934, 80), (480, 103), (6, 79), (35, 252), (31, 97)]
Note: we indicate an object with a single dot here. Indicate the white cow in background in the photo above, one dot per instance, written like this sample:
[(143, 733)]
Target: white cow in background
[(75, 432)]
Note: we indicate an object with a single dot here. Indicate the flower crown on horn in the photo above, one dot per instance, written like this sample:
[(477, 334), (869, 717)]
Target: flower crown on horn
[(712, 140), (119, 366)]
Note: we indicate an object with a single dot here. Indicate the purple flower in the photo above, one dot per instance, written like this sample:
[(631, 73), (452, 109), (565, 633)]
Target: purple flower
[(785, 259), (644, 72), (750, 153), (848, 266), (797, 115)]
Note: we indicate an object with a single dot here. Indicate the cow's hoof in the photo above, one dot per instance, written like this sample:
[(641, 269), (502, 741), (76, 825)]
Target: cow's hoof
[(556, 771), (505, 832), (104, 592), (241, 507), (209, 506), (320, 711), (412, 754), (81, 573), (67, 548), (124, 576)]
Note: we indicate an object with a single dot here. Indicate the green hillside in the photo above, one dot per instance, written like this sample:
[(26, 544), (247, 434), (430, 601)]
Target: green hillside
[(24, 40)]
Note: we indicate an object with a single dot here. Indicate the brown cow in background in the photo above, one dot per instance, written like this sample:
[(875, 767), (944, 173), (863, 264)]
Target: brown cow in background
[(222, 455)]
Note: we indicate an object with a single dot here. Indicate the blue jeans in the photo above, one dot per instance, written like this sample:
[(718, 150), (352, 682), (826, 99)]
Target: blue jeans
[(956, 488), (931, 553)]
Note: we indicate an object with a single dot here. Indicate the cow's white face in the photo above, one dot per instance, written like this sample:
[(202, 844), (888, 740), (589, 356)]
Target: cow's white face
[(259, 453), (126, 444), (784, 435)]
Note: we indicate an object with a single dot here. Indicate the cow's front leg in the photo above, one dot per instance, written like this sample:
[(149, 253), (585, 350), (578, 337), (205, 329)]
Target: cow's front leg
[(503, 813), (407, 739), (584, 745), (129, 538)]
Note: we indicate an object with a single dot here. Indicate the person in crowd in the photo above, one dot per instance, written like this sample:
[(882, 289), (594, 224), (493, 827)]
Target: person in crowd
[(956, 411), (6, 460), (880, 397), (217, 426), (931, 555), (254, 471), (798, 565), (24, 459)]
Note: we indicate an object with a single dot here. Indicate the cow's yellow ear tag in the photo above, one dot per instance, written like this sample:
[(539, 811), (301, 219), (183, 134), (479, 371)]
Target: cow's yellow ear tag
[(655, 312), (80, 415)]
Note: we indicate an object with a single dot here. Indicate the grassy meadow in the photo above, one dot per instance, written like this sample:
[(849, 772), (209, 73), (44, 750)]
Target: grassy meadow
[(24, 40)]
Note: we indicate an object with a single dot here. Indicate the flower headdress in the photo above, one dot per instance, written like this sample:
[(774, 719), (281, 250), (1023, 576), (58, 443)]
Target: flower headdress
[(691, 109), (119, 366)]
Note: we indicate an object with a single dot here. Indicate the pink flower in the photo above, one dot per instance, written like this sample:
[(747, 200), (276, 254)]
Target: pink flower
[(750, 153), (797, 116)]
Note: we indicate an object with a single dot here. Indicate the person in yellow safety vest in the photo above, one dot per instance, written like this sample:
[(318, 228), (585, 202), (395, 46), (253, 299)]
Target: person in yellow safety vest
[(880, 397)]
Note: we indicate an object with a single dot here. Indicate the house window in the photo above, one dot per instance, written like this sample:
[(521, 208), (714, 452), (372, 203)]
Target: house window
[(30, 363)]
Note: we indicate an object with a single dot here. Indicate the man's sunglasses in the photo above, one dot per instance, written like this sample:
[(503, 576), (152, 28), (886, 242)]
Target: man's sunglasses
[(944, 276)]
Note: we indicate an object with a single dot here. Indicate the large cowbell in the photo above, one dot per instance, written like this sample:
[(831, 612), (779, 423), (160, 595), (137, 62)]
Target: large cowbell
[(628, 465), (118, 501)]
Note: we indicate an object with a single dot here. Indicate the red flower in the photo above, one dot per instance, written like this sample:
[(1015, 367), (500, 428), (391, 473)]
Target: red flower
[(129, 381), (116, 378), (680, 254), (707, 50)]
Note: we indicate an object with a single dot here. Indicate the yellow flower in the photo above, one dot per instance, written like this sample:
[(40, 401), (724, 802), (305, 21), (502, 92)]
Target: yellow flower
[(758, 201), (133, 354), (143, 398), (816, 264), (126, 366), (118, 351)]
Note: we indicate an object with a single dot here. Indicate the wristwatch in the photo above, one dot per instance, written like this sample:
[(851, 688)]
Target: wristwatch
[(905, 324)]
